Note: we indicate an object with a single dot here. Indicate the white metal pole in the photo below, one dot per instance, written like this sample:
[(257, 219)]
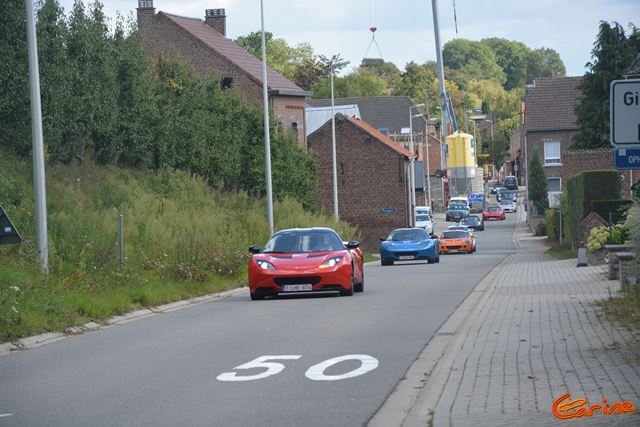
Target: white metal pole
[(267, 140), (336, 216), (39, 184), (428, 173), (412, 173)]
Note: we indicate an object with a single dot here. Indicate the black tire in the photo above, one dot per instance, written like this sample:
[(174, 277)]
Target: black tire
[(386, 261), (431, 260), (256, 297), (359, 287), (349, 292)]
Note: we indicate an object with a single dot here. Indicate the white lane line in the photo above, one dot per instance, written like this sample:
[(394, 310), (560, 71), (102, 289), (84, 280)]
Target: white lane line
[(6, 415)]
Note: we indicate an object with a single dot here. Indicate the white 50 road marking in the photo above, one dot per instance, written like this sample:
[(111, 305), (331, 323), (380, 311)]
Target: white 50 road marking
[(316, 372), (260, 362), (5, 415)]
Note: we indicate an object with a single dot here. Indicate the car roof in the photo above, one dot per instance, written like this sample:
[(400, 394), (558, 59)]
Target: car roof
[(289, 230)]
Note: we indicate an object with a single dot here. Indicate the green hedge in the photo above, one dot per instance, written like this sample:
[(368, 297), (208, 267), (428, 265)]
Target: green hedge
[(618, 209), (583, 189), (552, 222)]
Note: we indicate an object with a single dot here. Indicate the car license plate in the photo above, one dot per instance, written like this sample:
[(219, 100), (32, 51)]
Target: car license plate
[(406, 257), (297, 288)]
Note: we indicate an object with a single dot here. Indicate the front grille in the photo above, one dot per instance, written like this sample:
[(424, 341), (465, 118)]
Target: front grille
[(406, 253), (453, 246), (304, 280)]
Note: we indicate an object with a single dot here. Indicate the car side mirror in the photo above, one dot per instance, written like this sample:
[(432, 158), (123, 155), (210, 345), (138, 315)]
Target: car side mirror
[(255, 249), (353, 244), (433, 236), (382, 239)]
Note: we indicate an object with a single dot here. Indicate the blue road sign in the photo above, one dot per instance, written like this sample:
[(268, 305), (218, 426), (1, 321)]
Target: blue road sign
[(626, 158), (475, 198), (388, 211)]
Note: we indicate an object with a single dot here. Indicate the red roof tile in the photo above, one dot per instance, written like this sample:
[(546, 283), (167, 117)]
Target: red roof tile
[(378, 135), (234, 53)]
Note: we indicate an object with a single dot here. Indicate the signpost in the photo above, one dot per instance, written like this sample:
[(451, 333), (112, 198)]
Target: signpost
[(475, 198), (8, 233), (624, 110), (626, 158)]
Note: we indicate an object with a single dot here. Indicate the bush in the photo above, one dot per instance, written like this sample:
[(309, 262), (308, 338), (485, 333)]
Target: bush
[(552, 224), (617, 208), (541, 229), (583, 189), (599, 236)]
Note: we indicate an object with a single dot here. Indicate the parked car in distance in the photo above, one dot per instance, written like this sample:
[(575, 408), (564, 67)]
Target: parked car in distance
[(305, 260), (508, 194), (424, 218), (456, 210), (511, 182), (472, 222), (457, 241), (493, 213), (508, 205), (496, 187), (409, 244)]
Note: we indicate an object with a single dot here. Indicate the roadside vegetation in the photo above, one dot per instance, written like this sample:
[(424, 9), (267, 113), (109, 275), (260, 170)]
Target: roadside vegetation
[(183, 238)]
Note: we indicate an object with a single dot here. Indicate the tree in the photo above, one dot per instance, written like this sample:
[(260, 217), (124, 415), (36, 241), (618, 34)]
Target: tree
[(612, 54), (361, 83), (511, 56), (545, 63), (537, 181), (474, 58), (282, 57), (15, 116)]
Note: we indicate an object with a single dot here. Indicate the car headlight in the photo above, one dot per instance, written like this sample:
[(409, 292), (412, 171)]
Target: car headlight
[(265, 265), (331, 262)]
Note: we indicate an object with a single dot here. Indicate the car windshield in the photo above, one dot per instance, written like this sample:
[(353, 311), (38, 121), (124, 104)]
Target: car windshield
[(408, 234), (455, 235), (457, 205), (493, 209), (423, 218), (471, 220), (302, 241), (506, 202)]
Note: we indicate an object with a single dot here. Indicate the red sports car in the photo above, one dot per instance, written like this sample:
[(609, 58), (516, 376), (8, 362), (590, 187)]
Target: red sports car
[(303, 260), (493, 213)]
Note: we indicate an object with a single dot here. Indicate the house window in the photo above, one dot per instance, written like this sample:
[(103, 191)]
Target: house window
[(552, 152), (226, 83), (294, 126), (554, 184)]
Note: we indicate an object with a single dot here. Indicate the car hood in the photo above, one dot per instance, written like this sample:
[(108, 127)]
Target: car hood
[(299, 261), (405, 245), (454, 241)]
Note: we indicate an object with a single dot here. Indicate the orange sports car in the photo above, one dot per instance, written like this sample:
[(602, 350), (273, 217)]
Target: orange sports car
[(457, 241)]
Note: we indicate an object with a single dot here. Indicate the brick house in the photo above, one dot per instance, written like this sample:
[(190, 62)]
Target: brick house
[(203, 46), (550, 124), (372, 177), (390, 116)]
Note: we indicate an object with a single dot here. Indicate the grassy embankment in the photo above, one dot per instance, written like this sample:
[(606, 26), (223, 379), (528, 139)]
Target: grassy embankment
[(182, 239)]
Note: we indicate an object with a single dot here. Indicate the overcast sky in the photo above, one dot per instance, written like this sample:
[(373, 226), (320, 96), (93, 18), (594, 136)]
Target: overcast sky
[(405, 27)]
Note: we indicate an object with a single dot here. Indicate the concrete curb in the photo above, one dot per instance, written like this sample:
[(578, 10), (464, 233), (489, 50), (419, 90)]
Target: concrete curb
[(415, 397), (50, 337)]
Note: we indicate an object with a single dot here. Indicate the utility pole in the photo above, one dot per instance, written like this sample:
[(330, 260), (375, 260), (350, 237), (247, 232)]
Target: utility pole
[(267, 139), (39, 184)]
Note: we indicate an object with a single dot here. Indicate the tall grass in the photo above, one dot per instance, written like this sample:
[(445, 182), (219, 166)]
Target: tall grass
[(182, 238)]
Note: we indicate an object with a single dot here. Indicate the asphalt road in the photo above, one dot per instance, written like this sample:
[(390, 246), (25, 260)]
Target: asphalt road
[(166, 370)]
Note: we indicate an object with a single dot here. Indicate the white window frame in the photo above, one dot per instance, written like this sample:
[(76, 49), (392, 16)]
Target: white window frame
[(553, 161), (559, 178)]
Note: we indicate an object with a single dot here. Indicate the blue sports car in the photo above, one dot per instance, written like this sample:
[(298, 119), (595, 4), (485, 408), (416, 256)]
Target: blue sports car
[(408, 244)]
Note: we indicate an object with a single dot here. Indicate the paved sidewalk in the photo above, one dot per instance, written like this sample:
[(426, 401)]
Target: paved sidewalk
[(535, 336)]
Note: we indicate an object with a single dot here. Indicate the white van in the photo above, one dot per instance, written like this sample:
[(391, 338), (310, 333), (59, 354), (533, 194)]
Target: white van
[(424, 219), (459, 200)]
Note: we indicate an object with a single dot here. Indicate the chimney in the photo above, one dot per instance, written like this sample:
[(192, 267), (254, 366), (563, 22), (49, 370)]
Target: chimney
[(145, 12), (217, 20)]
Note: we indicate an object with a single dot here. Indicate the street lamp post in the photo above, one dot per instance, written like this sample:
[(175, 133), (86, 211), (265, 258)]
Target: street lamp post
[(38, 145), (336, 216), (267, 140), (412, 169)]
